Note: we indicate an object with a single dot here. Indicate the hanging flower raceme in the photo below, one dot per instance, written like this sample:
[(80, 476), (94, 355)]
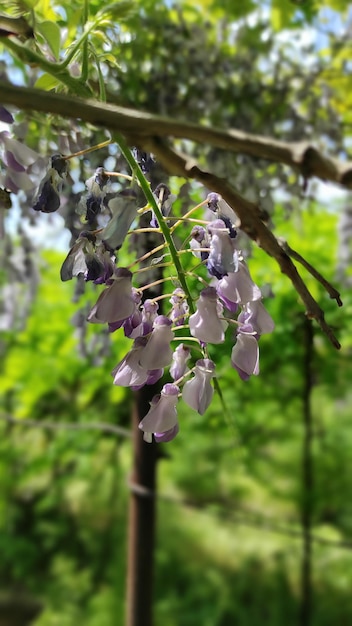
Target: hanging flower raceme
[(231, 300)]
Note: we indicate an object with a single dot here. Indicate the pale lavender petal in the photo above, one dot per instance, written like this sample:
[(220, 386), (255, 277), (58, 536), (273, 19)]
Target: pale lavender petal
[(245, 354), (116, 302), (198, 392), (205, 324), (162, 415), (158, 352)]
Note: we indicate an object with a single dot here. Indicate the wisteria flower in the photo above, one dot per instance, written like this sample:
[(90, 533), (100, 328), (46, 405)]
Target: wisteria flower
[(199, 242), (223, 256), (179, 307), (256, 314), (18, 158), (178, 367), (205, 323), (198, 392), (116, 302), (92, 203), (48, 198), (128, 372), (158, 352), (245, 355), (5, 115), (223, 211), (165, 199), (237, 288), (162, 415), (124, 211)]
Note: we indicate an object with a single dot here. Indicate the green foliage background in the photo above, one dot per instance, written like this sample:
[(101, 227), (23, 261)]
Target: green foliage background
[(230, 488)]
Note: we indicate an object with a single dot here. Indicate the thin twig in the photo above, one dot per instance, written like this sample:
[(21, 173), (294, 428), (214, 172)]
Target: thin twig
[(333, 293)]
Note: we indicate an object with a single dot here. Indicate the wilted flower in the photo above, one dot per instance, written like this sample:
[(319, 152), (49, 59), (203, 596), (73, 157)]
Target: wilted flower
[(5, 116), (205, 323), (198, 392), (97, 186), (165, 199), (162, 415), (48, 198)]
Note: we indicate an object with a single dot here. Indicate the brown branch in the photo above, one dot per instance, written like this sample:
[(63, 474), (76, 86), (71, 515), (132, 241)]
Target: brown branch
[(333, 293), (301, 156), (249, 216)]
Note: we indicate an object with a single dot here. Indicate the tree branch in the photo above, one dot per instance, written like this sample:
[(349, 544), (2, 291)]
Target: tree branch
[(301, 156)]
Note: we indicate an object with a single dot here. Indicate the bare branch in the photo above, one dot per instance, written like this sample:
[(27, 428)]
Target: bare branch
[(301, 156), (333, 293)]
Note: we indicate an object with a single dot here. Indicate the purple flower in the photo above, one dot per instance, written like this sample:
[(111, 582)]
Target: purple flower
[(124, 211), (116, 302), (158, 353), (162, 415), (169, 435), (5, 116), (178, 367), (237, 288), (245, 355), (256, 314), (179, 307), (165, 199), (199, 239), (223, 256), (205, 324), (149, 313), (18, 158), (133, 325), (198, 392), (128, 372), (223, 211), (97, 186), (48, 198)]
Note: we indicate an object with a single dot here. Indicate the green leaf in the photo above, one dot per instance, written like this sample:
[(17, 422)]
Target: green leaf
[(46, 82), (52, 35)]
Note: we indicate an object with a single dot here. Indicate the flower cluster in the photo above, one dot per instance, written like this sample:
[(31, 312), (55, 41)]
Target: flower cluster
[(229, 302)]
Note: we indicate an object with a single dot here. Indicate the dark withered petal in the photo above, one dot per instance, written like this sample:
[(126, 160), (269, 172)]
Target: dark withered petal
[(48, 200)]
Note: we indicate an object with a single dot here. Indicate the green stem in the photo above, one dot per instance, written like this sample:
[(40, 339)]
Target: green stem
[(159, 216), (54, 69)]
